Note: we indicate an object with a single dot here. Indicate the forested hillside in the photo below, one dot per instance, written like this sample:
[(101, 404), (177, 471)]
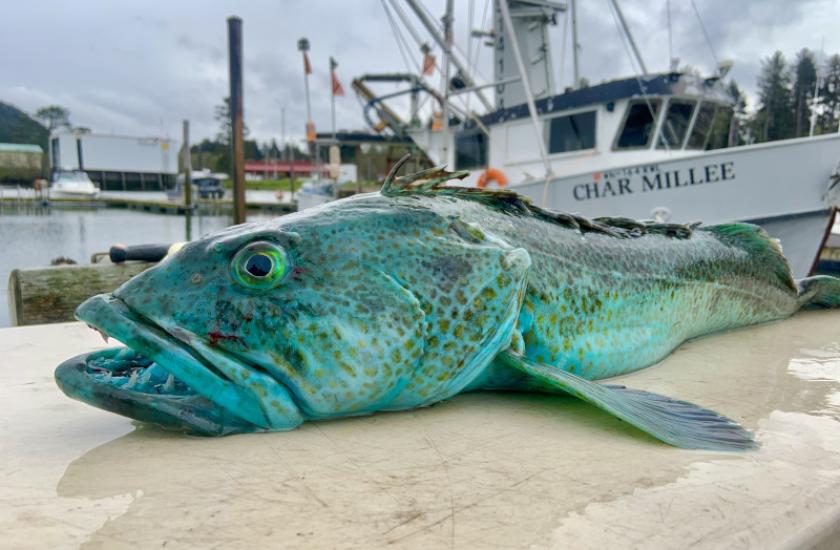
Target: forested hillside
[(18, 127)]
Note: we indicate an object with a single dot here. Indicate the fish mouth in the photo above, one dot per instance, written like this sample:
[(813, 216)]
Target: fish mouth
[(171, 378)]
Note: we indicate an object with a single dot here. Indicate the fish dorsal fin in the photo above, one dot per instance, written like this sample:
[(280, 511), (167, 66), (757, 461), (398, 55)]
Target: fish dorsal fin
[(430, 182)]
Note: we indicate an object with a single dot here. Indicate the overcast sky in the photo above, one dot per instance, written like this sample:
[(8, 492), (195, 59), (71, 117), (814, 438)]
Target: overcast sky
[(139, 68)]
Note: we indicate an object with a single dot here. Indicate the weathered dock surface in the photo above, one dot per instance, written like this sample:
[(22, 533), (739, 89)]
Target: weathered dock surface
[(480, 471)]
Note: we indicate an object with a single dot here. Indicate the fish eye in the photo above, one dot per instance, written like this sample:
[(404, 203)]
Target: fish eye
[(259, 265)]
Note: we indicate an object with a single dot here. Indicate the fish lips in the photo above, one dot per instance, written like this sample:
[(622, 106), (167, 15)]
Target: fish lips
[(210, 400)]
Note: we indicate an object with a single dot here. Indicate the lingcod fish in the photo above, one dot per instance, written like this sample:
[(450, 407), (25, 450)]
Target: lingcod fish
[(409, 296)]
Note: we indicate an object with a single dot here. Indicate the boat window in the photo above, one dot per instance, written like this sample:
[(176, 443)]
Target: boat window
[(676, 124), (702, 126), (571, 132), (470, 149), (639, 124)]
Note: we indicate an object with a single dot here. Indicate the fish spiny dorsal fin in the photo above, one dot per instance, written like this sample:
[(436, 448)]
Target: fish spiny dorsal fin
[(431, 182), (392, 174), (422, 181)]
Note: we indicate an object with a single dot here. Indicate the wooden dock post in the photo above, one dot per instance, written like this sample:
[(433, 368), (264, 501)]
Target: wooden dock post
[(187, 162), (236, 123), (51, 294)]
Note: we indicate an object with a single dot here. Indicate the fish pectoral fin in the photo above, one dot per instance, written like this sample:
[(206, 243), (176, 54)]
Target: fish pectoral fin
[(677, 423)]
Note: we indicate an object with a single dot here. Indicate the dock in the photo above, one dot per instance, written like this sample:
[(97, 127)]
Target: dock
[(484, 470), (145, 203)]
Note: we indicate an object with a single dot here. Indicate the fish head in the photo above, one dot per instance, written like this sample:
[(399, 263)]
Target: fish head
[(325, 313)]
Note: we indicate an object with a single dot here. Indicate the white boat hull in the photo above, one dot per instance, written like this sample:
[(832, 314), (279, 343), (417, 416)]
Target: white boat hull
[(780, 185), (62, 194)]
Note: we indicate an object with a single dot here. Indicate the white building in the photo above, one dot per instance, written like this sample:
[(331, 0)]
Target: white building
[(116, 162)]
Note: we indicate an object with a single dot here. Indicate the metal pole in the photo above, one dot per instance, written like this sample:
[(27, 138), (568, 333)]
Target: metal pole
[(283, 133), (187, 164), (333, 65), (447, 56), (529, 97), (236, 125), (303, 47), (575, 45), (447, 50), (629, 36)]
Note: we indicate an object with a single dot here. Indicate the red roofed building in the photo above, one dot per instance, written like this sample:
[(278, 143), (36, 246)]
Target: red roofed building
[(265, 169)]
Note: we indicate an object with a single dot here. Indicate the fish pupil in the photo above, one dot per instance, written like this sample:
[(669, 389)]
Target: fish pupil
[(259, 265)]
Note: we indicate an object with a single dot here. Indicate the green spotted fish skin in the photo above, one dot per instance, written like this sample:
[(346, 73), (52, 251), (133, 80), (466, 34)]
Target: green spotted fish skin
[(406, 297)]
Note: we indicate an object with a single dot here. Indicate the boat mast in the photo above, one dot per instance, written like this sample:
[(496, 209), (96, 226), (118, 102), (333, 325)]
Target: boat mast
[(575, 45), (431, 27), (447, 40), (629, 36)]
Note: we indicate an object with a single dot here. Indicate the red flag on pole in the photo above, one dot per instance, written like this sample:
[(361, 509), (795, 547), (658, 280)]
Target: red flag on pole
[(428, 63), (337, 88), (307, 68)]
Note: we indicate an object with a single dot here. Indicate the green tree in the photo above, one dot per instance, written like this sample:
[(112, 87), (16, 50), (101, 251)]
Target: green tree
[(804, 81), (222, 116), (830, 96), (774, 118), (273, 150), (53, 116), (252, 150)]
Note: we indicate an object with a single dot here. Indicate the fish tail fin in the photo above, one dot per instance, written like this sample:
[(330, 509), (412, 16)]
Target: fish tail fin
[(762, 248), (677, 423), (819, 291)]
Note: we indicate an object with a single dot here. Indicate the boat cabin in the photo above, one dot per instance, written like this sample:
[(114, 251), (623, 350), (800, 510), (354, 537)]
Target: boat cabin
[(616, 123)]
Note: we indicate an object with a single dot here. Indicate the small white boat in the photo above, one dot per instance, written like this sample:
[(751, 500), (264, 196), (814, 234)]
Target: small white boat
[(314, 192), (72, 184)]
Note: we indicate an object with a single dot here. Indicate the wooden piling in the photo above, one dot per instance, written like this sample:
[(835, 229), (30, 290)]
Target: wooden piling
[(52, 294), (237, 139), (187, 163)]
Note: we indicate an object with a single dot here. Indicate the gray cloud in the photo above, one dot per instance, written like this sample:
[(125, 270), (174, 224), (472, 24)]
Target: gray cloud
[(140, 68)]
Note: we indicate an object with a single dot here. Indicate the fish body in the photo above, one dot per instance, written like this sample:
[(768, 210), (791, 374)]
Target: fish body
[(403, 298)]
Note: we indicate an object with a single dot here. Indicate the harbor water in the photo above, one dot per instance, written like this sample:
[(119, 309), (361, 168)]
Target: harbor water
[(32, 236)]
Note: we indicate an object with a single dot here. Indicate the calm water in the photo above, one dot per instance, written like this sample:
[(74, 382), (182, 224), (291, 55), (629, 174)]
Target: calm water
[(32, 236)]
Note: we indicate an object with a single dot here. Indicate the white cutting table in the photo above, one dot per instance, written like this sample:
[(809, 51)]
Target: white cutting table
[(481, 471)]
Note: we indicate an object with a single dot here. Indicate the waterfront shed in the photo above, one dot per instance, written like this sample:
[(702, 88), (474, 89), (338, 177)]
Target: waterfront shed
[(115, 162)]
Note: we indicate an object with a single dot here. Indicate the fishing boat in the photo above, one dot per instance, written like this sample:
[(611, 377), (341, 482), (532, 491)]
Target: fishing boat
[(72, 184), (205, 185), (632, 147)]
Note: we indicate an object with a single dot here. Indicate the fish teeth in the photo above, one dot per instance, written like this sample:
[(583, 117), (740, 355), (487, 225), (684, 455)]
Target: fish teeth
[(145, 377), (170, 383), (102, 334)]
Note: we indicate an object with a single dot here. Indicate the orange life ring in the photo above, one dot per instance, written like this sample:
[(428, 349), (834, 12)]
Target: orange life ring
[(492, 174)]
